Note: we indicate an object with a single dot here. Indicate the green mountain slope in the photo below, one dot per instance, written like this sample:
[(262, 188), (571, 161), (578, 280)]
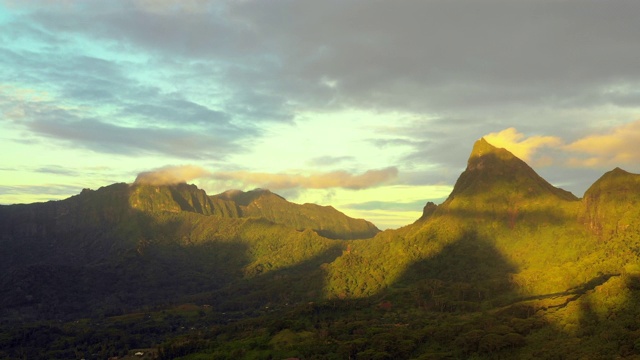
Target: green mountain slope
[(325, 220), (508, 266), (513, 225), (610, 205), (125, 246)]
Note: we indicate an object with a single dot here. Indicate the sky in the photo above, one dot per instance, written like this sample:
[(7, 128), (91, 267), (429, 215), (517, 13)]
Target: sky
[(369, 106)]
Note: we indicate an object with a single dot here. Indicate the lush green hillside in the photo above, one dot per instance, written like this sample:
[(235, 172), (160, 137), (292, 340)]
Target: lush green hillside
[(611, 204), (508, 266), (325, 220), (125, 246)]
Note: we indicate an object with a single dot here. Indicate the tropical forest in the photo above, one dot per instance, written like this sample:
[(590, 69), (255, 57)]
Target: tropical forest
[(507, 267)]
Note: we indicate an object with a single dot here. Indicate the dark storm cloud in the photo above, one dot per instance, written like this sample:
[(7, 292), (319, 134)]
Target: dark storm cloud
[(445, 53), (445, 56)]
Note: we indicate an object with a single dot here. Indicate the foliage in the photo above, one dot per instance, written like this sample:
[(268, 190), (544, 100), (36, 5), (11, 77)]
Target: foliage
[(507, 267)]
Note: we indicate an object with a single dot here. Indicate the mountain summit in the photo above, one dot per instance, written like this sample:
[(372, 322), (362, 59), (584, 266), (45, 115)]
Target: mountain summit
[(610, 204), (499, 185), (492, 169)]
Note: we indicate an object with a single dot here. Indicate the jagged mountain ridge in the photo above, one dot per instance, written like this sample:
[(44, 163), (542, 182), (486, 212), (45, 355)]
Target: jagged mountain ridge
[(325, 220), (259, 203), (505, 261), (180, 197)]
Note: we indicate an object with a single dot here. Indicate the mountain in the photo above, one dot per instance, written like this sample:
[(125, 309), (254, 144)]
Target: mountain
[(508, 266), (496, 183), (611, 204), (125, 245), (259, 203), (489, 169), (325, 220)]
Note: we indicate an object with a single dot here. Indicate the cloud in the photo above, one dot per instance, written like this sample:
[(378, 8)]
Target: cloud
[(46, 191), (453, 54), (171, 175), (522, 147), (416, 205), (204, 134), (164, 6), (329, 160), (335, 179), (175, 110), (58, 170), (618, 146)]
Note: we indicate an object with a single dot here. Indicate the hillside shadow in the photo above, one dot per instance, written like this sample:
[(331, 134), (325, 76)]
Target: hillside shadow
[(461, 276), (461, 302), (278, 289), (149, 268), (456, 302), (510, 214)]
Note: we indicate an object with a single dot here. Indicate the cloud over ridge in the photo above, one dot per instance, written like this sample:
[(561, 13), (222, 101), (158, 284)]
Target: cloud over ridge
[(522, 147), (171, 175), (334, 179)]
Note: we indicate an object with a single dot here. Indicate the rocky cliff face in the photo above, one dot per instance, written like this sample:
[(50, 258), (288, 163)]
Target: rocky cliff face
[(177, 198)]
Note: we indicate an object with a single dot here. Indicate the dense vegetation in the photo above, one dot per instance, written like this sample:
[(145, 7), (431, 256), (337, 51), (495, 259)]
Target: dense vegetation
[(507, 267)]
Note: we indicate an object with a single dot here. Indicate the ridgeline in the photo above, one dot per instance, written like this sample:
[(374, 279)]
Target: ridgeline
[(508, 266)]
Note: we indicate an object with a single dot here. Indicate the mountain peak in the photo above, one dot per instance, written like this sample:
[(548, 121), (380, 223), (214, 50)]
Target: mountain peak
[(615, 179), (482, 147), (496, 170), (485, 154)]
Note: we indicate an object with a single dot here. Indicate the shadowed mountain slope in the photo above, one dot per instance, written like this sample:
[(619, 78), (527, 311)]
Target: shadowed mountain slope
[(124, 246), (508, 266)]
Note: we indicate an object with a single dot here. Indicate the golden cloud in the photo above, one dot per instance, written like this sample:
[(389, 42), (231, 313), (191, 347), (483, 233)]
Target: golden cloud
[(618, 146), (171, 175), (335, 179), (518, 145)]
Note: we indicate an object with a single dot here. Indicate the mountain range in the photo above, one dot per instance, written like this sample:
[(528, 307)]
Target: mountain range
[(508, 266)]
